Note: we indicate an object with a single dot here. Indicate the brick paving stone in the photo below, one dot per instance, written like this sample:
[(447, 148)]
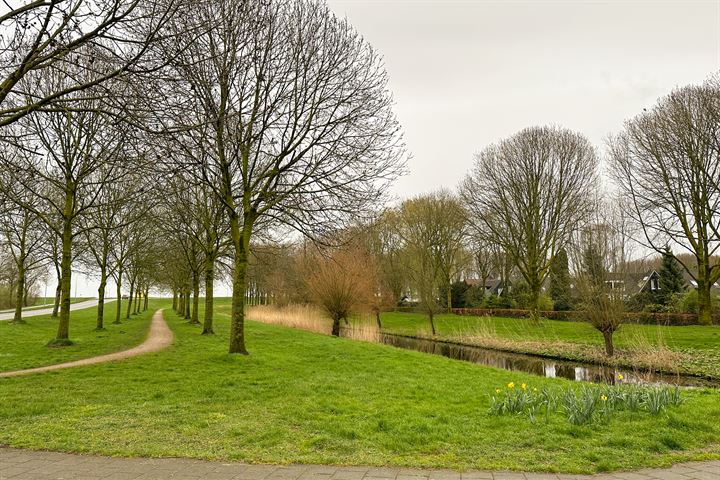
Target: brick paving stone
[(30, 465), (477, 476), (508, 476), (405, 476), (343, 474), (444, 475)]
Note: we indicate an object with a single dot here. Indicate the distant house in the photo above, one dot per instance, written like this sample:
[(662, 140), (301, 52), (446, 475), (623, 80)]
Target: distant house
[(650, 282), (493, 286), (691, 283)]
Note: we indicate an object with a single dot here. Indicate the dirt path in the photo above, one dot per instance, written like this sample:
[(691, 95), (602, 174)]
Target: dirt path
[(159, 338)]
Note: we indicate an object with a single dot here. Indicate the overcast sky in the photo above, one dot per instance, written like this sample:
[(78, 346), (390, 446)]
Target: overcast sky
[(465, 74)]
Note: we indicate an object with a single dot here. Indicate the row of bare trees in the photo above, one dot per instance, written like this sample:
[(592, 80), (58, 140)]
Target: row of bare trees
[(127, 125)]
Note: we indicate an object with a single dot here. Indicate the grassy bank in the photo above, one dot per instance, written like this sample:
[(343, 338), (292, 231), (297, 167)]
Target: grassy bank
[(23, 345), (689, 349), (301, 397)]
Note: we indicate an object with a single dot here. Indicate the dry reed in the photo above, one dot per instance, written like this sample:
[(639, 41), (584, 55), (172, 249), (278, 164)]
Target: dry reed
[(313, 319)]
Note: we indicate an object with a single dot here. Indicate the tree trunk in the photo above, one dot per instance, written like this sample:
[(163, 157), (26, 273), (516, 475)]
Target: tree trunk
[(187, 303), (175, 300), (20, 292), (56, 306), (336, 327), (63, 334), (181, 303), (209, 300), (118, 307), (449, 296), (535, 302), (100, 321), (432, 322), (377, 319), (147, 297), (237, 326), (26, 294), (130, 298), (138, 297), (196, 299), (609, 348), (704, 299)]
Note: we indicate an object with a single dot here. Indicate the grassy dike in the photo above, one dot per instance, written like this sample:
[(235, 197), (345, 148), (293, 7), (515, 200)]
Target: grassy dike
[(302, 397)]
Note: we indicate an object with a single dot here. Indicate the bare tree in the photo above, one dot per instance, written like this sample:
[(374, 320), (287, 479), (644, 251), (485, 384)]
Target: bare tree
[(195, 215), (667, 163), (432, 228), (118, 205), (528, 193), (109, 39), (25, 236), (291, 107)]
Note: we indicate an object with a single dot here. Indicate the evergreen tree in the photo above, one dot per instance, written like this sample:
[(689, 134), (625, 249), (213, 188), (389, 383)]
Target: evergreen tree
[(594, 264), (671, 278), (560, 281)]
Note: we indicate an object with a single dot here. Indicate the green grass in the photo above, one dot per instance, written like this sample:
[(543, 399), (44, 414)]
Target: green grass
[(307, 398), (23, 345)]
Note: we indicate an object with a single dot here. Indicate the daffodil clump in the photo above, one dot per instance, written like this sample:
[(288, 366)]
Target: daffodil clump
[(582, 405)]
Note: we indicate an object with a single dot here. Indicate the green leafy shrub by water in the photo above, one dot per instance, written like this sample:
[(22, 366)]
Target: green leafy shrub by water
[(582, 405)]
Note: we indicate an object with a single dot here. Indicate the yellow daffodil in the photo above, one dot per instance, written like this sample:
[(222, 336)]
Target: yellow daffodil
[(523, 386), (511, 385), (621, 376), (603, 398), (497, 390)]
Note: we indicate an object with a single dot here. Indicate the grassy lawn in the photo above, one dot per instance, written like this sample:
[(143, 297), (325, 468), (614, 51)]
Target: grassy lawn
[(309, 398), (701, 344), (23, 345)]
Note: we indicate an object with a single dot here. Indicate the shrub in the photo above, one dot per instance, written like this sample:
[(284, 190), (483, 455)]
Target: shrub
[(689, 302)]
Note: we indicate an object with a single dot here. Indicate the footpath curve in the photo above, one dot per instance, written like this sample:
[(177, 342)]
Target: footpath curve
[(159, 338)]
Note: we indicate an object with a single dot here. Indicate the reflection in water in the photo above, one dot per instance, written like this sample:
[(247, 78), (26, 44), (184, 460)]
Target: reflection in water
[(536, 365)]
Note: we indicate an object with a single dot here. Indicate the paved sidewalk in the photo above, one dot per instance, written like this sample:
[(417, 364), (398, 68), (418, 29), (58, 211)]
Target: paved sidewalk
[(29, 465), (10, 314), (159, 338)]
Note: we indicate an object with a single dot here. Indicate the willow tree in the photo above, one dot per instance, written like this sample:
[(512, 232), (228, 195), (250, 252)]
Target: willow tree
[(528, 193), (343, 282), (667, 163), (290, 105)]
